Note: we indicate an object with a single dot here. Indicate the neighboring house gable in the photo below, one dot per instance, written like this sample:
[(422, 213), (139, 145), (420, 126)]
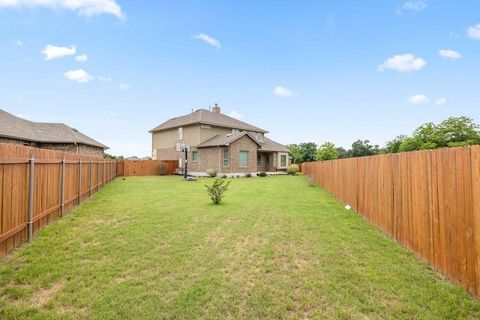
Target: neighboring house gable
[(57, 136)]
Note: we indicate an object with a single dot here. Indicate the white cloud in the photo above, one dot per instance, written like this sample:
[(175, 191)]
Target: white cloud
[(78, 75), (403, 63), (282, 92), (19, 43), (81, 58), (419, 99), (474, 32), (441, 101), (124, 86), (53, 52), (412, 6), (104, 79), (452, 54), (236, 115), (210, 40), (82, 7)]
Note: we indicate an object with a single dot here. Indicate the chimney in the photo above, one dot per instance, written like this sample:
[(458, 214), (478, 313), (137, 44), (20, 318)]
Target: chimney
[(216, 108)]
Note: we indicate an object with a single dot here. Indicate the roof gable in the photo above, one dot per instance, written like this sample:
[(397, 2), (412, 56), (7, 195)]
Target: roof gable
[(202, 116), (17, 128), (225, 140)]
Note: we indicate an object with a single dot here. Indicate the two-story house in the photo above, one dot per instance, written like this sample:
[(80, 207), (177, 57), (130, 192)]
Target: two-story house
[(218, 142)]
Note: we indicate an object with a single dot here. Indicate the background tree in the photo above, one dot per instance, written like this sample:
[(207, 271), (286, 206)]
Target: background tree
[(342, 153), (393, 146), (327, 151), (109, 156), (304, 152), (295, 151), (453, 132), (362, 148), (459, 131)]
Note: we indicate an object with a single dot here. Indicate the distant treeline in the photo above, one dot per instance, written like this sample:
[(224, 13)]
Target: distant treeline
[(453, 132)]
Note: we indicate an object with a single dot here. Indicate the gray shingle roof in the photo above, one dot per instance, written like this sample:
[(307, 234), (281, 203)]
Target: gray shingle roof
[(17, 128), (207, 117), (225, 140), (270, 145)]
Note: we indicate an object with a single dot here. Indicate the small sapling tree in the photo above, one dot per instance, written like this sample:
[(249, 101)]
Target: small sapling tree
[(217, 190)]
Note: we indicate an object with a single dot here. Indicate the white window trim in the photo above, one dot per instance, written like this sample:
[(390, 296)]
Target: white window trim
[(180, 133), (226, 159), (280, 159)]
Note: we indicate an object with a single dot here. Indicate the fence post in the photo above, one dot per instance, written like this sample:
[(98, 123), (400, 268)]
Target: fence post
[(90, 180), (62, 188), (98, 175), (79, 181), (31, 195)]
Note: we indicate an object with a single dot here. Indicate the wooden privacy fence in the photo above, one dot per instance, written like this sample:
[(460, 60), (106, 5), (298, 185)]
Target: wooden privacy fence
[(37, 186), (147, 167), (427, 200)]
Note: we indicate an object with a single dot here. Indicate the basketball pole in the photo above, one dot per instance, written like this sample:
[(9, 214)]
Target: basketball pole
[(186, 162)]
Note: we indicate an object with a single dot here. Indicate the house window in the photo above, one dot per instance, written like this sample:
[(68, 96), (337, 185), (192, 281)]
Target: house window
[(243, 159), (194, 156), (283, 160), (236, 131), (259, 160), (180, 133), (226, 157)]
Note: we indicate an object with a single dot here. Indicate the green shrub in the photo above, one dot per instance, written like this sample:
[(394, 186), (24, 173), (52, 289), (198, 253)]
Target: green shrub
[(293, 169), (248, 175), (262, 174), (217, 190), (212, 172), (224, 176)]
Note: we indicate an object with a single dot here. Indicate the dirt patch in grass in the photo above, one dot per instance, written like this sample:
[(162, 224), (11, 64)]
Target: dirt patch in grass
[(41, 297)]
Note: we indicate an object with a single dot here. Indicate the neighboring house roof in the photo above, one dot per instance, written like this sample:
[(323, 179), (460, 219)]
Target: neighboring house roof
[(225, 140), (17, 128), (270, 145), (204, 116)]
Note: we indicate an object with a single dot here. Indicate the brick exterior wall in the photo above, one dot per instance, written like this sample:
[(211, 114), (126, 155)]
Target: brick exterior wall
[(267, 162), (243, 144), (212, 158), (68, 147)]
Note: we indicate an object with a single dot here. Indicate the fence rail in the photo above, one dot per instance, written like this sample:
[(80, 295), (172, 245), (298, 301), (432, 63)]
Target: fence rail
[(427, 200), (38, 186)]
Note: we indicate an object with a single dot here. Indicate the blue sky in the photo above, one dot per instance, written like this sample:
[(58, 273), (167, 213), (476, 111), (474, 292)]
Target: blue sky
[(304, 70)]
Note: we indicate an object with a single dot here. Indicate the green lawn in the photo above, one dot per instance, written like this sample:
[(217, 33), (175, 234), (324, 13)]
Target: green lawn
[(277, 248)]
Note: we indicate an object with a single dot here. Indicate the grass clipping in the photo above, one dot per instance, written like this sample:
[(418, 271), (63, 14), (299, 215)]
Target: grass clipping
[(217, 190)]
